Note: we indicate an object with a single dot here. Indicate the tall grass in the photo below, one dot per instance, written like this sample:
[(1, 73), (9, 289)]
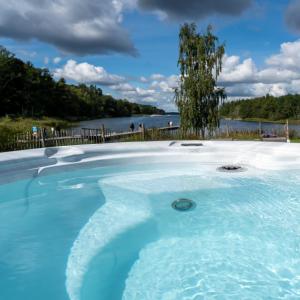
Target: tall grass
[(9, 127)]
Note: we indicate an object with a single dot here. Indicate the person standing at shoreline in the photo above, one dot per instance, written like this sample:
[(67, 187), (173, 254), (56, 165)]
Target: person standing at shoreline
[(131, 127)]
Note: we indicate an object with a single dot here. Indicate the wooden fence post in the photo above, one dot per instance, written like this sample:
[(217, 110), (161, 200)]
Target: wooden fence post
[(287, 132), (227, 129), (143, 131), (103, 133), (260, 129), (42, 137), (56, 135)]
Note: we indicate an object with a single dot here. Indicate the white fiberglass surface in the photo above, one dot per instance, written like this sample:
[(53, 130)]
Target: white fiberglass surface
[(110, 232)]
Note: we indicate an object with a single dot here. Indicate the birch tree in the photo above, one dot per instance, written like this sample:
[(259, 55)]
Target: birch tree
[(198, 98)]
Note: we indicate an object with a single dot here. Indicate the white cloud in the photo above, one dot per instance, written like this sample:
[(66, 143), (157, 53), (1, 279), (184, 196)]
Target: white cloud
[(123, 87), (135, 93), (165, 84), (256, 90), (87, 73), (143, 79), (276, 75), (46, 60), (236, 71), (159, 92), (157, 76), (139, 93), (56, 60), (289, 56), (279, 76)]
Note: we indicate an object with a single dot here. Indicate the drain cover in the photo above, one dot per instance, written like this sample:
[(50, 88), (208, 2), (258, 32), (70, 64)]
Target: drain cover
[(231, 168), (183, 204)]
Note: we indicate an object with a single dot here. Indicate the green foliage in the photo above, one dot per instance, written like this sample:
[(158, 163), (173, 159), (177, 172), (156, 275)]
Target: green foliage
[(200, 61), (265, 108), (10, 127), (32, 92)]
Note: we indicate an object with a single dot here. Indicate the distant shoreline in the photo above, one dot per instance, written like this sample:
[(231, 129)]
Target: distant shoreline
[(257, 120)]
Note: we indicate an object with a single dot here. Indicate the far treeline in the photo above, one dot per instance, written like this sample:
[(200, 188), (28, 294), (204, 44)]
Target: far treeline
[(27, 91), (266, 108)]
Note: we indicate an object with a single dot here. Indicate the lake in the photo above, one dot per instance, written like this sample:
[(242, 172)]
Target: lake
[(122, 124)]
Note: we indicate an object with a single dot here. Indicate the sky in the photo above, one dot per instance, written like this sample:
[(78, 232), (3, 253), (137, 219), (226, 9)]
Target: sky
[(129, 48)]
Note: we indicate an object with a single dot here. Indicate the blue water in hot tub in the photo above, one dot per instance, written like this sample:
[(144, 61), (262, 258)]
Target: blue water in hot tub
[(110, 233)]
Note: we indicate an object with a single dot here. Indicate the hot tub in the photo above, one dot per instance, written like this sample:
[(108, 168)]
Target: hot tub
[(98, 222)]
